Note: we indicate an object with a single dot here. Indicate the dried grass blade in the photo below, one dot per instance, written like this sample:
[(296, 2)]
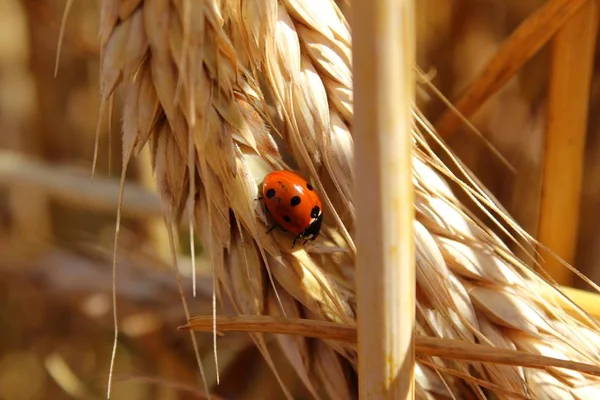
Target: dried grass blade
[(425, 346)]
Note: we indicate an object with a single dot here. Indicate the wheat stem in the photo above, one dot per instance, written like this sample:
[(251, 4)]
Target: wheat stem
[(565, 138), (384, 87)]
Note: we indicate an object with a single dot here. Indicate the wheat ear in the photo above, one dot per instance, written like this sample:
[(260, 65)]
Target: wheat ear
[(179, 82), (305, 51), (203, 80)]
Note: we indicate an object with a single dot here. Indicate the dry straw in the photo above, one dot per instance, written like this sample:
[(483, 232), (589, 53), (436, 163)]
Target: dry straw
[(206, 83), (384, 57)]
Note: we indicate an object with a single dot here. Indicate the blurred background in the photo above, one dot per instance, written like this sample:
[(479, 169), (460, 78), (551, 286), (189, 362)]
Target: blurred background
[(57, 226)]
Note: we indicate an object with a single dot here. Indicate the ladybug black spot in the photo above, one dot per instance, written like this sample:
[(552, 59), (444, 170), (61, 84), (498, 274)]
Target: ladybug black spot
[(287, 218), (314, 213), (270, 193), (295, 201), (309, 186)]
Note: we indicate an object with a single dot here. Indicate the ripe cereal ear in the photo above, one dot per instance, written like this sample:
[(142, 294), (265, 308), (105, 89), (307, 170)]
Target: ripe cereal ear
[(234, 149), (202, 82)]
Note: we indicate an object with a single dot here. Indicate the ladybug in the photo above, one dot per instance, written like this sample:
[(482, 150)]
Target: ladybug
[(294, 205)]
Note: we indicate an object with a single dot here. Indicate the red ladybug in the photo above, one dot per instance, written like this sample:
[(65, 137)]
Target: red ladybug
[(293, 204)]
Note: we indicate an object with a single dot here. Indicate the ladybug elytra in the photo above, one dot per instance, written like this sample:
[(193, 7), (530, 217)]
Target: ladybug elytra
[(294, 205)]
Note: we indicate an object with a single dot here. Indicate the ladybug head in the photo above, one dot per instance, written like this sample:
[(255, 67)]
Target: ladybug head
[(313, 230)]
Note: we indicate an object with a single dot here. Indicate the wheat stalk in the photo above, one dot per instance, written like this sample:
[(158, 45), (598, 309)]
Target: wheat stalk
[(189, 72), (384, 83)]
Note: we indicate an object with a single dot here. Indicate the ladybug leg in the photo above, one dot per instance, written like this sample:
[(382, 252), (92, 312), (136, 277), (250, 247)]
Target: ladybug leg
[(304, 242), (271, 228), (294, 242)]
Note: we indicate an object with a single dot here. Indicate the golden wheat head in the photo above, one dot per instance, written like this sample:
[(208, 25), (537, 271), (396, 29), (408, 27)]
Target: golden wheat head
[(198, 78)]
